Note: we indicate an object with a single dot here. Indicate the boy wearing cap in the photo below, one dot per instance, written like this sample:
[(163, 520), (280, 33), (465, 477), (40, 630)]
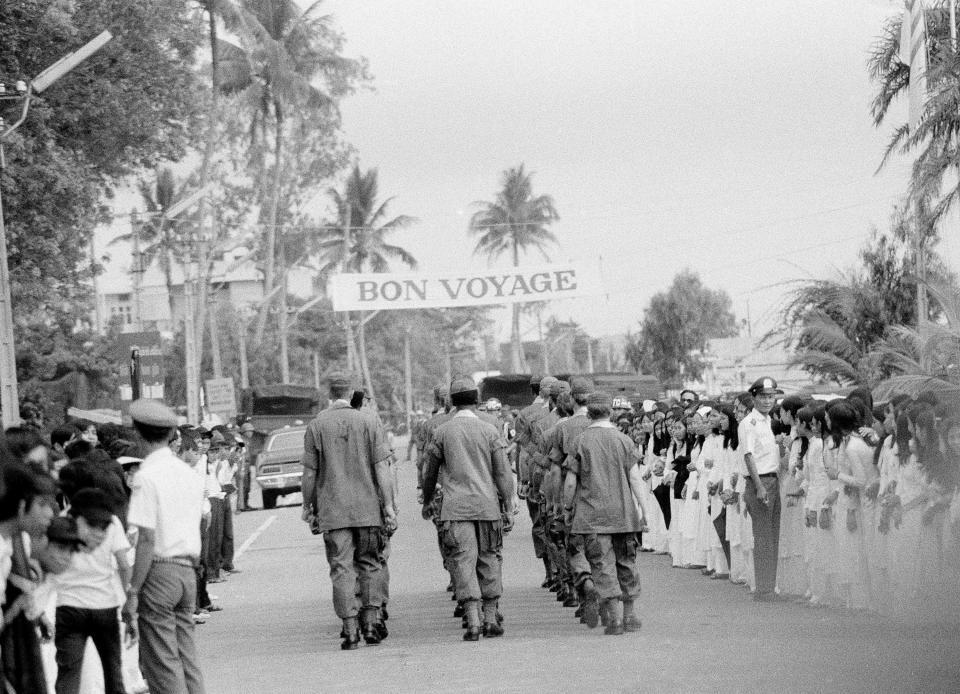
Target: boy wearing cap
[(166, 506), (88, 594), (761, 455), (602, 493), (348, 496), (477, 489)]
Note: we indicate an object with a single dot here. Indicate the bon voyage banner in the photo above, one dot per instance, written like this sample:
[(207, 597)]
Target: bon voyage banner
[(370, 292)]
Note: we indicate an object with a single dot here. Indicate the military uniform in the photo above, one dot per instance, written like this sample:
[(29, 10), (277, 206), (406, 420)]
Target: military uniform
[(607, 519), (477, 485), (342, 449), (525, 457)]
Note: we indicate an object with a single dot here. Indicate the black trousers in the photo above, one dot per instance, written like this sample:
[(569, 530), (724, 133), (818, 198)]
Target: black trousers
[(74, 626)]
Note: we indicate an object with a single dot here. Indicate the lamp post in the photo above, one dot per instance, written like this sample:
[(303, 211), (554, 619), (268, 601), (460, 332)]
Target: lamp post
[(24, 92)]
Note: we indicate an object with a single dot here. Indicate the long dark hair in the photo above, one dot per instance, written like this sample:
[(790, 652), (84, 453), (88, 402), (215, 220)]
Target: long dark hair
[(812, 411), (731, 437), (843, 420), (863, 401), (929, 456)]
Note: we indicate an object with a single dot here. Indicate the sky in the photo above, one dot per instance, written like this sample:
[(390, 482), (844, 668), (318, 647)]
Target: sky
[(731, 137)]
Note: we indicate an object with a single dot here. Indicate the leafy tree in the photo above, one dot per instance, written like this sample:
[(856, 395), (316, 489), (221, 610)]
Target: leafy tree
[(131, 105), (836, 326), (515, 221), (289, 65), (677, 324), (935, 137)]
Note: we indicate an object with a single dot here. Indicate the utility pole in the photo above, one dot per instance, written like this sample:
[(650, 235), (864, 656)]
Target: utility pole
[(543, 345), (215, 337), (244, 368), (407, 377), (9, 399), (316, 370), (190, 347), (589, 356), (137, 275)]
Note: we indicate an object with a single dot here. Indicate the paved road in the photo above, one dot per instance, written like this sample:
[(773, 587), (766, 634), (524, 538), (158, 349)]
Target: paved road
[(278, 631)]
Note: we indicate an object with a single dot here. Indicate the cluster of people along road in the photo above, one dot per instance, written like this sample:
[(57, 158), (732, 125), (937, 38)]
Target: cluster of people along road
[(839, 503), (112, 534)]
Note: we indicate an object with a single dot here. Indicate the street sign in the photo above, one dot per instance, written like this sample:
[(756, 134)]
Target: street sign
[(221, 397)]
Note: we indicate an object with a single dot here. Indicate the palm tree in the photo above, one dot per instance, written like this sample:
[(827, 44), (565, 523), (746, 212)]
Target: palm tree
[(358, 242), (935, 138), (932, 350), (158, 238), (515, 221), (285, 51)]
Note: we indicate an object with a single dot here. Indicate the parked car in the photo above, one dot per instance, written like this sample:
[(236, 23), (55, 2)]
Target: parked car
[(279, 471)]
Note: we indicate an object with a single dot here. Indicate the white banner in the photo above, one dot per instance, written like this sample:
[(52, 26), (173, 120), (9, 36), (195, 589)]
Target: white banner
[(370, 292)]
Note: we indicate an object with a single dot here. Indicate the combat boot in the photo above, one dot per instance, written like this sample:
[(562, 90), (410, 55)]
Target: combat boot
[(369, 618), (351, 634), (492, 619), (631, 622), (613, 609), (472, 617), (591, 604)]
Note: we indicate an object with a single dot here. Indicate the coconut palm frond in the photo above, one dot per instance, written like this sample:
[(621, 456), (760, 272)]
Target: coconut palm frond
[(827, 364)]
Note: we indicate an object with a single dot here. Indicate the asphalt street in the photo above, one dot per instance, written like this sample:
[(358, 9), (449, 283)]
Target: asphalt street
[(278, 632)]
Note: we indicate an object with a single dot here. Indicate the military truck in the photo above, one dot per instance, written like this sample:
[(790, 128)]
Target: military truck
[(279, 415), (514, 389)]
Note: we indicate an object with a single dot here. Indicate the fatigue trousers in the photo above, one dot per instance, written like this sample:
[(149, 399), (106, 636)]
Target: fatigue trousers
[(613, 564), (766, 531), (557, 547), (476, 549), (537, 530), (168, 655), (355, 567)]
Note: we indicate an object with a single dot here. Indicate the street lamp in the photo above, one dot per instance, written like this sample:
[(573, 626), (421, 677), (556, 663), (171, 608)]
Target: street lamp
[(24, 92)]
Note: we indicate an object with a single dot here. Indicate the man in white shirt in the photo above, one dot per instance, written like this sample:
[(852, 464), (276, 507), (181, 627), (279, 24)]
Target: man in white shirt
[(761, 455), (165, 506), (89, 594)]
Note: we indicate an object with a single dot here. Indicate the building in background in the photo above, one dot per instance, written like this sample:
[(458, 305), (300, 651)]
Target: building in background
[(232, 282), (733, 363)]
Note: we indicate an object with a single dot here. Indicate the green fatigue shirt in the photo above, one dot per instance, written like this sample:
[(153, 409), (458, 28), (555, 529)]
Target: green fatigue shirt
[(343, 445), (538, 455), (475, 470), (525, 421), (568, 431), (602, 463)]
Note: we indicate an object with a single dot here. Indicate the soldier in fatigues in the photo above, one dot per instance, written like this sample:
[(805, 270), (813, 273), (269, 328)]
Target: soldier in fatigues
[(441, 398), (477, 489), (602, 493), (348, 496), (562, 446), (525, 421)]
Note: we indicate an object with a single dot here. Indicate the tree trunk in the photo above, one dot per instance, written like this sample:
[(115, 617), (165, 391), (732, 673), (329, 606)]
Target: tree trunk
[(364, 367), (284, 334), (516, 343), (269, 266)]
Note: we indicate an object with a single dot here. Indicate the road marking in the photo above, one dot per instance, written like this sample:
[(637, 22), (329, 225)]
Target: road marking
[(253, 538)]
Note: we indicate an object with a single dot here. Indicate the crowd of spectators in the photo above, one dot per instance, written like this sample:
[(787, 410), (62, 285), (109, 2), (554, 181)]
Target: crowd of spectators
[(66, 548)]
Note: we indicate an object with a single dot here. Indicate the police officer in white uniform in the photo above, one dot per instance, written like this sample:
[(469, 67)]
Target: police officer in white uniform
[(761, 454), (165, 507)]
